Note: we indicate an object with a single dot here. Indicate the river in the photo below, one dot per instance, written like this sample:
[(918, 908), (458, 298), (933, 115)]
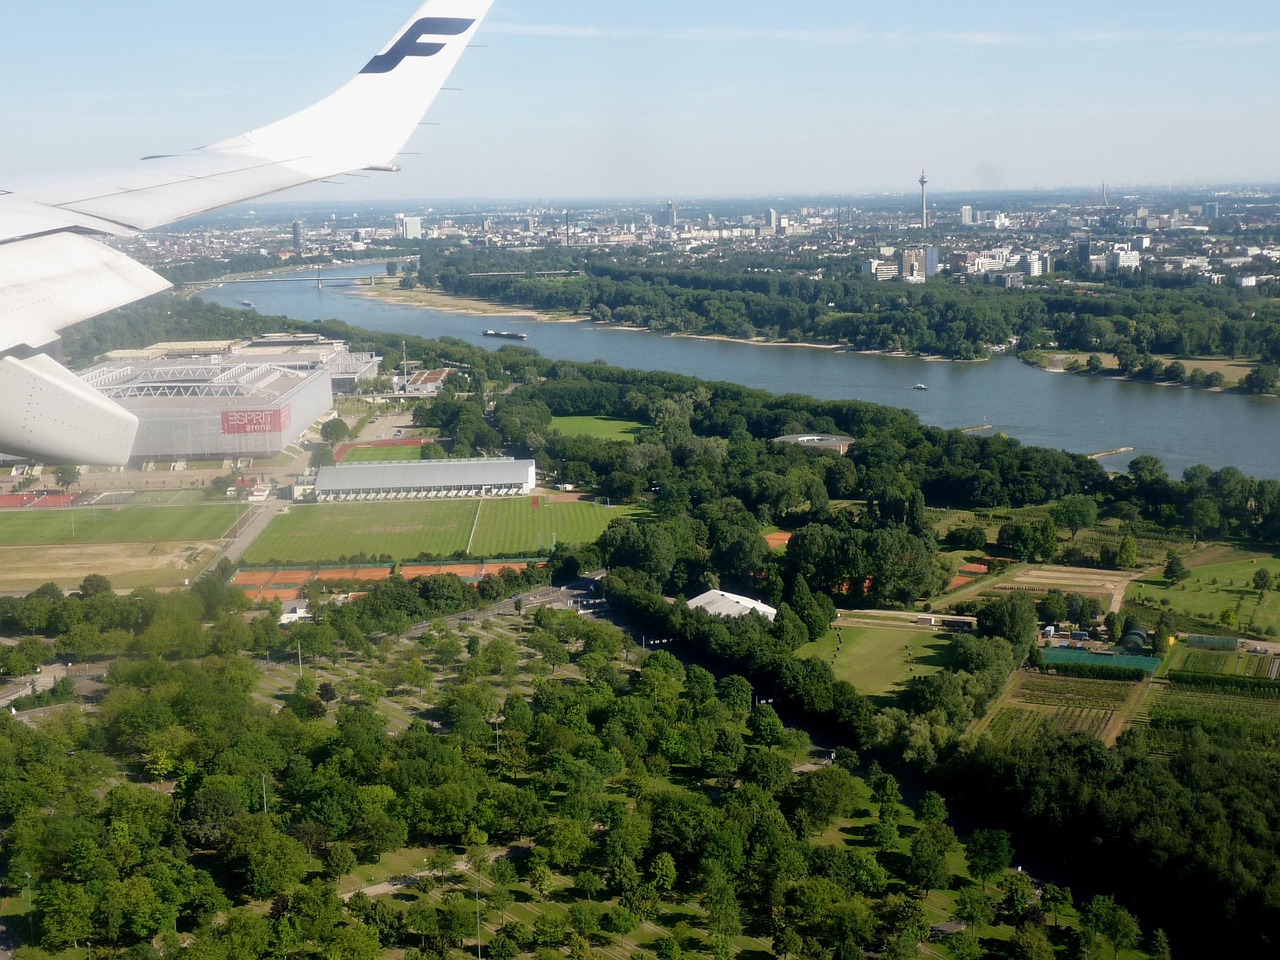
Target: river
[(1081, 414)]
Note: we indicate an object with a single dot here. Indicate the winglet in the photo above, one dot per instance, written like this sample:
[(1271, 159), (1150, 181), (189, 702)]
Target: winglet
[(368, 121)]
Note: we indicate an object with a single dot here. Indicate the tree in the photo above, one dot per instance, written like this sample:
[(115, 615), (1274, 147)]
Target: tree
[(765, 726), (664, 872), (589, 882), (966, 945), (339, 860), (1019, 892), (1114, 922), (885, 793), (335, 430), (1030, 943), (933, 809), (927, 866), (786, 943), (1158, 946), (1127, 553), (1203, 517), (1262, 379), (1055, 899), (66, 914), (541, 879), (974, 907), (1175, 571), (66, 476), (1076, 512), (989, 854), (1262, 579)]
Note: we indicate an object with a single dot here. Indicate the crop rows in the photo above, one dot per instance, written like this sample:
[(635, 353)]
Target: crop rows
[(1013, 723), (1073, 691), (1210, 661), (1231, 722)]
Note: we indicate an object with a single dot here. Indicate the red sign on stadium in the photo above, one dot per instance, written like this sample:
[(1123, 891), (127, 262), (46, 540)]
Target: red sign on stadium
[(256, 421)]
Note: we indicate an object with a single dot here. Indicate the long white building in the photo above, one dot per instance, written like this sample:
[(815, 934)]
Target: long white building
[(426, 480)]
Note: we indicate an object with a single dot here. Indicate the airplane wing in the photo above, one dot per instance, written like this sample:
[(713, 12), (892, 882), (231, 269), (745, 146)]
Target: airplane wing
[(55, 272)]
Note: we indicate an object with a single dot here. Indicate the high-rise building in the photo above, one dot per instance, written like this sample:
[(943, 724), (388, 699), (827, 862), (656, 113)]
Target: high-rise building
[(966, 216), (673, 215), (771, 219), (924, 200), (411, 228), (299, 236), (918, 261)]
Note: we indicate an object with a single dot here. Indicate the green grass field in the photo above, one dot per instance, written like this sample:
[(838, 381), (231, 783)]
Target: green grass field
[(312, 533), (514, 526), (117, 524), (1215, 587), (602, 428), (879, 661), (382, 454)]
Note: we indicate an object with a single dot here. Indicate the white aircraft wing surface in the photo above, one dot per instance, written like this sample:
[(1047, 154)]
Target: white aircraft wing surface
[(55, 273)]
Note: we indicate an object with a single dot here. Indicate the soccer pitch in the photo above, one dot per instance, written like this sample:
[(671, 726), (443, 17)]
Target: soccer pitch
[(317, 533), (117, 524), (400, 453)]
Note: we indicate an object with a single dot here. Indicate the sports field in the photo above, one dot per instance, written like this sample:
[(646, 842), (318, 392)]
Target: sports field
[(382, 452), (312, 533), (117, 524), (602, 428), (879, 661)]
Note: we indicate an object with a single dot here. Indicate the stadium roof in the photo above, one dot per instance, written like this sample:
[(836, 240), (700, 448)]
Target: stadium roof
[(425, 473), (731, 605)]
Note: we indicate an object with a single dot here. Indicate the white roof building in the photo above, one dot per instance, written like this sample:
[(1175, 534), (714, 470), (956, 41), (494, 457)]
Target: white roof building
[(426, 480), (722, 604)]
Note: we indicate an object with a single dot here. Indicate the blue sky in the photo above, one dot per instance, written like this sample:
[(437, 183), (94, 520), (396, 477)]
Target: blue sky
[(583, 98)]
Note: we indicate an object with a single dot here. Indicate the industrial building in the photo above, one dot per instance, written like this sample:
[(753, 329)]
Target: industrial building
[(426, 480), (214, 407)]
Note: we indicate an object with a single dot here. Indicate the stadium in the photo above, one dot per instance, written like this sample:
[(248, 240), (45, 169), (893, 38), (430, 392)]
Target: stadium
[(204, 408)]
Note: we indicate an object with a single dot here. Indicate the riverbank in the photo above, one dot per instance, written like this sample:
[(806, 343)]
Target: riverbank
[(438, 300), (1232, 371), (755, 341)]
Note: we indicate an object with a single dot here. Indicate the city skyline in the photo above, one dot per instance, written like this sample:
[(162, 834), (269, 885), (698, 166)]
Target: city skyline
[(570, 98)]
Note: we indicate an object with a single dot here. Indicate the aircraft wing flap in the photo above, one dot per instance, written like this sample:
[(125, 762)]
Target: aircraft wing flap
[(51, 282), (172, 194)]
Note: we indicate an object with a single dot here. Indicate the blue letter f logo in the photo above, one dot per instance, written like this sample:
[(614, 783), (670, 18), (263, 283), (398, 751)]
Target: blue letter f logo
[(409, 45)]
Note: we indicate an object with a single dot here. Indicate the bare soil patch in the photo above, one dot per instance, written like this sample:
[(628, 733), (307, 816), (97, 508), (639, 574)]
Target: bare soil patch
[(126, 565)]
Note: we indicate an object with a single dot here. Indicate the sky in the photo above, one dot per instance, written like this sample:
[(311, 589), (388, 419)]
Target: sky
[(602, 98)]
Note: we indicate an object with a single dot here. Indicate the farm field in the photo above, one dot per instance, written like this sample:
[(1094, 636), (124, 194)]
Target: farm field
[(601, 428), (312, 533), (1032, 702), (879, 661), (1220, 662), (1231, 721), (117, 524), (1214, 587)]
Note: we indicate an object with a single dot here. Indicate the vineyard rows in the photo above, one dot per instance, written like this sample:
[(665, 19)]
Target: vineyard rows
[(1231, 722), (1014, 723), (1106, 695)]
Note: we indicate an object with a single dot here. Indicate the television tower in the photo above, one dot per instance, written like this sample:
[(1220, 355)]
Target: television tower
[(924, 200)]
